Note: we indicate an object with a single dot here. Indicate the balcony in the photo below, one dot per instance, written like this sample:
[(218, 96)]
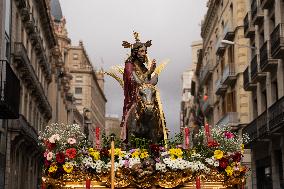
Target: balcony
[(229, 32), (276, 115), (21, 4), (266, 4), (9, 92), (266, 62), (28, 75), (220, 48), (22, 127), (30, 24), (256, 75), (257, 15), (25, 12), (206, 72), (251, 130), (207, 106), (230, 119), (262, 124), (220, 87), (199, 60), (277, 42), (248, 85), (229, 74), (249, 29)]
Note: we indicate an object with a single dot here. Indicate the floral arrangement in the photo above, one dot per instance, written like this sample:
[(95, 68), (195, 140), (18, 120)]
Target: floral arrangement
[(216, 156)]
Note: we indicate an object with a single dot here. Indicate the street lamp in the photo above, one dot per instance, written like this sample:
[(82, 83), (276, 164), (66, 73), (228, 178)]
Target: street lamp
[(227, 42), (86, 121)]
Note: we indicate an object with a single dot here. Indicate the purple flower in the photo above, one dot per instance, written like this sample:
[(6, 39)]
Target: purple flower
[(132, 150)]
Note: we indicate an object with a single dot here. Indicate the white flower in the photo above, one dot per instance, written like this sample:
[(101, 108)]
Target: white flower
[(49, 156), (161, 167), (71, 140), (54, 138), (133, 161)]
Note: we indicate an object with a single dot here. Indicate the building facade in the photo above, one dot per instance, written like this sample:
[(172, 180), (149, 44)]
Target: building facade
[(220, 96), (87, 87), (32, 41), (187, 102), (112, 125), (264, 78)]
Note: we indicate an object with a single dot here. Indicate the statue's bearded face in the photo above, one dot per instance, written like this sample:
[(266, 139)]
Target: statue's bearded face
[(141, 54)]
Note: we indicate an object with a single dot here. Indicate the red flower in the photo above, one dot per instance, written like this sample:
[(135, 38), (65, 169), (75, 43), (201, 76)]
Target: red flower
[(46, 163), (223, 163), (71, 153), (49, 145), (104, 153), (237, 157), (212, 144), (60, 157)]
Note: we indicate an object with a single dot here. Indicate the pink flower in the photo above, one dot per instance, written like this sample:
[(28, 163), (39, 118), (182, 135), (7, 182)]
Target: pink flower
[(49, 156), (229, 135), (126, 163), (71, 140), (45, 153)]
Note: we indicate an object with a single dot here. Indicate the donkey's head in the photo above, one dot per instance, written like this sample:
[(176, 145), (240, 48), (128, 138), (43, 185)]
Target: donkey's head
[(147, 93)]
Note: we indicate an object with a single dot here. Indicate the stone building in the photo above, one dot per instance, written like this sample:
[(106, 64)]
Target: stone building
[(87, 87), (31, 45), (187, 79), (264, 78), (112, 125), (9, 85), (221, 65)]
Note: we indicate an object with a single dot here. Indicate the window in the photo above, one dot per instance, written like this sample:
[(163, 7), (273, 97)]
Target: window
[(78, 90), (79, 79), (78, 101), (75, 56)]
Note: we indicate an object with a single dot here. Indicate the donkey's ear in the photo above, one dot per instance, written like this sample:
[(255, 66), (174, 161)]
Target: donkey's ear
[(136, 78), (154, 80)]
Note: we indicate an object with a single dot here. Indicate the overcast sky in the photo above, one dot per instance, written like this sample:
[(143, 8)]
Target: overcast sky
[(172, 25)]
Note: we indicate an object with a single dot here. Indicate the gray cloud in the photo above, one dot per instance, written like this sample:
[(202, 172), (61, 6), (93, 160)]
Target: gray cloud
[(171, 24)]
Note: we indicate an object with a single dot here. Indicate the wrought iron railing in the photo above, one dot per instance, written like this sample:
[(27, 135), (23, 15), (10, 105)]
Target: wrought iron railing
[(254, 67), (207, 69), (262, 124), (229, 71), (276, 37), (246, 77), (263, 55), (253, 9), (276, 114), (9, 92), (230, 118), (251, 130)]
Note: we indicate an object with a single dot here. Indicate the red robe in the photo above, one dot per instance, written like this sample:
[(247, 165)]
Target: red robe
[(130, 89)]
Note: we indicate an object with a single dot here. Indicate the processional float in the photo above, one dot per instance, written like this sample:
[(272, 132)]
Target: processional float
[(142, 157)]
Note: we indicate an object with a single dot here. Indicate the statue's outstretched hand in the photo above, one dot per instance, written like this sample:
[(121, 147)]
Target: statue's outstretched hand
[(153, 66)]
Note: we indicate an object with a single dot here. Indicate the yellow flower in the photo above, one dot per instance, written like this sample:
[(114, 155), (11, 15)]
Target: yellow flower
[(68, 167), (52, 168), (91, 150), (95, 154), (218, 154), (242, 148), (175, 153), (136, 154), (144, 154), (229, 170)]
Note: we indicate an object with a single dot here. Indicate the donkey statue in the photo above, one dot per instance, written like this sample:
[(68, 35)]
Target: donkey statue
[(145, 120)]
